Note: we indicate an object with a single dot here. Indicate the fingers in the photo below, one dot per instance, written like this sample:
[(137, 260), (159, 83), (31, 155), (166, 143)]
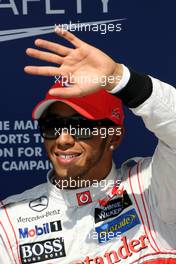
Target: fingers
[(70, 37), (45, 56), (57, 48), (44, 70)]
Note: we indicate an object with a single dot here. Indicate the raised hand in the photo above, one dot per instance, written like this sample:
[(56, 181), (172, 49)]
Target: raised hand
[(84, 66)]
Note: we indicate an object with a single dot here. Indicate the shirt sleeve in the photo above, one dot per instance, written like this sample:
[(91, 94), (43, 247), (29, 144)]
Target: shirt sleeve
[(155, 102)]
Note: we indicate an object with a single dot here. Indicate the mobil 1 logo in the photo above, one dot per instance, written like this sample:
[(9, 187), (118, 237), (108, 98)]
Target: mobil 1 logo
[(42, 250), (46, 228)]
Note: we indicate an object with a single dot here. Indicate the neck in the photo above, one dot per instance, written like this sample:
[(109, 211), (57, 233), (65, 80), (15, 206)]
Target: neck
[(93, 176)]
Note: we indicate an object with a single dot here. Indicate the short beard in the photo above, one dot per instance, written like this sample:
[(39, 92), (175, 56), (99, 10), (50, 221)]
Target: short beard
[(81, 178)]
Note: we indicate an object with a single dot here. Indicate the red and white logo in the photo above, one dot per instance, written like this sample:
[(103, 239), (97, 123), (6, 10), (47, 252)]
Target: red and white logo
[(84, 198), (115, 113)]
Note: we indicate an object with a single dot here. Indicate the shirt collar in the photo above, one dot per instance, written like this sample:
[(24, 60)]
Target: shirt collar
[(82, 196)]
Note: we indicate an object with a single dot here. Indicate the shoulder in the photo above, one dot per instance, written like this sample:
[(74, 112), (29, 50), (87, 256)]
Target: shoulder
[(26, 196), (137, 167), (133, 163)]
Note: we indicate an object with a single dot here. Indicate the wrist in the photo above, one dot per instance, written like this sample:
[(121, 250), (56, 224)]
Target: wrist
[(115, 78), (123, 82)]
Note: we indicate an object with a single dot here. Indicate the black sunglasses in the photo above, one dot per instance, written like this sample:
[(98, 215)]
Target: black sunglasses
[(77, 126)]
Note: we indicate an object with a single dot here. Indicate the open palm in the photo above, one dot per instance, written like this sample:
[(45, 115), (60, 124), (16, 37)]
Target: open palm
[(84, 65)]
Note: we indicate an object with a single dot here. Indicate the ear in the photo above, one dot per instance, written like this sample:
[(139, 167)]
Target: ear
[(115, 139)]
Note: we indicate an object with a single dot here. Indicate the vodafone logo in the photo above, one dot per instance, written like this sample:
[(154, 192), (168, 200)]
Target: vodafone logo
[(84, 198)]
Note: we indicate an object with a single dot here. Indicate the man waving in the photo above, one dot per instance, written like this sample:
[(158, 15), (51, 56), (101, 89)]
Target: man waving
[(89, 211)]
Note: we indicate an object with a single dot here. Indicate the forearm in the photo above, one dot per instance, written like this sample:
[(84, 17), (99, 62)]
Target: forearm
[(155, 102)]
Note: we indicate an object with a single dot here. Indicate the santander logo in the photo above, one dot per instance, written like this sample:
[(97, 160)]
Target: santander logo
[(126, 250)]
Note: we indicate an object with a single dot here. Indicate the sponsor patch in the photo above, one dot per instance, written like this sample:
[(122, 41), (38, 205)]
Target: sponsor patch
[(39, 204), (123, 252), (39, 217), (84, 198), (42, 250), (37, 230), (113, 208), (117, 226)]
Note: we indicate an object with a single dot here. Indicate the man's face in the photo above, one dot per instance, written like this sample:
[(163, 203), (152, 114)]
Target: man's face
[(76, 158)]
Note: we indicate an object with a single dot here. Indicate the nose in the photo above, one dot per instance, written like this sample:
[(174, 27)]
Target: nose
[(65, 140)]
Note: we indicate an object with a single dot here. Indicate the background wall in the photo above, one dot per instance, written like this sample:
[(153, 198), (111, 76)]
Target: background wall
[(145, 42)]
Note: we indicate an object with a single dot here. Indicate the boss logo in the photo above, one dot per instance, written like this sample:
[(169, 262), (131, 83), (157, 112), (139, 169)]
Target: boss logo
[(42, 250)]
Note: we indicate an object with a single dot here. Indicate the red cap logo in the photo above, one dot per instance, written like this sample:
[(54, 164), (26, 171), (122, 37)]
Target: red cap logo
[(84, 198), (116, 113)]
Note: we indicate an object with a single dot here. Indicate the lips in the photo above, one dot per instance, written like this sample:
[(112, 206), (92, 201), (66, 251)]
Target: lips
[(67, 157)]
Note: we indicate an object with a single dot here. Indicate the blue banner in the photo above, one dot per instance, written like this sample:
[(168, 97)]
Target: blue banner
[(140, 34)]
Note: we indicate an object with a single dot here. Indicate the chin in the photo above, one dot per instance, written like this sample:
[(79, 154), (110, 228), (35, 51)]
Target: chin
[(61, 173)]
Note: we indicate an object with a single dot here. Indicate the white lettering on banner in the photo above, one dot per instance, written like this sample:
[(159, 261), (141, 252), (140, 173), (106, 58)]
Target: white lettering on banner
[(25, 5), (104, 2), (6, 152), (4, 125), (14, 147), (79, 6), (26, 165), (14, 139), (24, 125), (50, 12), (105, 5), (38, 138), (11, 5), (48, 9), (29, 152)]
